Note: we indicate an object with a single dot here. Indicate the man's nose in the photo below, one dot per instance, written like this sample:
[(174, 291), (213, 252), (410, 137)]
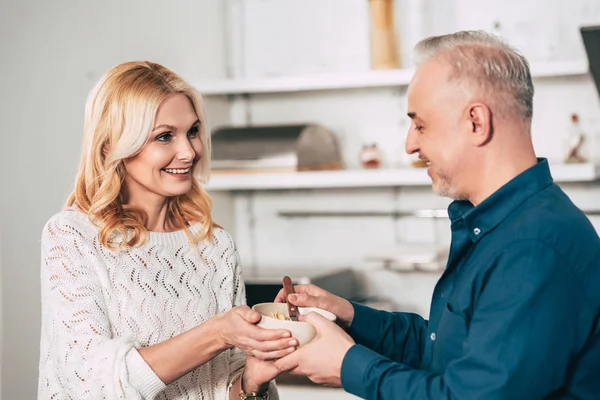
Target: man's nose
[(412, 143)]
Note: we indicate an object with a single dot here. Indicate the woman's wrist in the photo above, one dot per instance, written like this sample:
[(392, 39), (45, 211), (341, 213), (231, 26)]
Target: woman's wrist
[(216, 330), (249, 385)]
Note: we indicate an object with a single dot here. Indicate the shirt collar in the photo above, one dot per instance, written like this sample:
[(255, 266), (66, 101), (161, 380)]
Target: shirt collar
[(489, 213)]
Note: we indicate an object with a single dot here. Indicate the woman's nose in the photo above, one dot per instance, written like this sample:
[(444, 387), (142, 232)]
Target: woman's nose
[(185, 151)]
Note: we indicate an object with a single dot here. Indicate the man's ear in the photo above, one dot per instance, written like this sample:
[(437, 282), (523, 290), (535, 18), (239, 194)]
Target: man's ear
[(479, 119)]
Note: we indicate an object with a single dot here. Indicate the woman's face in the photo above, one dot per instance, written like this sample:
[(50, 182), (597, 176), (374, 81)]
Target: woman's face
[(164, 166)]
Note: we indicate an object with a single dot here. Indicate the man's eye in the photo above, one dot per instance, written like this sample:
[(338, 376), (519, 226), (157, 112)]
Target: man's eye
[(193, 132), (419, 128), (164, 137)]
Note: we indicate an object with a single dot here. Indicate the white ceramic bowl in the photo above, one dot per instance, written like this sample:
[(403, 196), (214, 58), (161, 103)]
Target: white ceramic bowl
[(302, 331)]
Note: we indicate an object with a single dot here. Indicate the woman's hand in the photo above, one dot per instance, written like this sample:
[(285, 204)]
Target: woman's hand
[(237, 328), (257, 374)]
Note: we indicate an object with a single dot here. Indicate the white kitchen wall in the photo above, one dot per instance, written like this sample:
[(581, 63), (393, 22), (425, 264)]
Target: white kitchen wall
[(1, 319), (290, 37), (52, 52)]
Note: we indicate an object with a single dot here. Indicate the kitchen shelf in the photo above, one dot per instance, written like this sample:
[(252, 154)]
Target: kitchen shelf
[(356, 80), (562, 173)]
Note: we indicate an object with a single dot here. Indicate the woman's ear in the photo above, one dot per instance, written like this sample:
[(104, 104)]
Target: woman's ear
[(479, 118)]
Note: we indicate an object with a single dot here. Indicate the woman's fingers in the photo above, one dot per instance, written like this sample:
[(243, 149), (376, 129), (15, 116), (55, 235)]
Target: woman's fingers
[(271, 355), (272, 345), (264, 335), (269, 349)]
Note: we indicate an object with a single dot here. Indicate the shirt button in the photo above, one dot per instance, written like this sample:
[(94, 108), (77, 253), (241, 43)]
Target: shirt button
[(477, 231), (432, 336)]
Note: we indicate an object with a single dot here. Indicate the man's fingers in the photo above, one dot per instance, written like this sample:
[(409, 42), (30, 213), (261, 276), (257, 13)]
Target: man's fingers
[(288, 362), (280, 298), (306, 300), (304, 288)]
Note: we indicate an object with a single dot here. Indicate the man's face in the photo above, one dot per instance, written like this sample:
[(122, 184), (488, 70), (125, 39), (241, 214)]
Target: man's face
[(435, 107)]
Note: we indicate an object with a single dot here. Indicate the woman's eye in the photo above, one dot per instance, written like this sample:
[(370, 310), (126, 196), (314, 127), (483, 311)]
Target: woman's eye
[(419, 128), (164, 137), (193, 132)]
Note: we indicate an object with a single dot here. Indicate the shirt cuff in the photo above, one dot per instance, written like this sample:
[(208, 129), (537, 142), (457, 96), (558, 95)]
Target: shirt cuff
[(141, 376), (354, 367)]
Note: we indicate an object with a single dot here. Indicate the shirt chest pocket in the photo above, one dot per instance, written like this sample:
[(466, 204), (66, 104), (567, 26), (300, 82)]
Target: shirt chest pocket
[(451, 335)]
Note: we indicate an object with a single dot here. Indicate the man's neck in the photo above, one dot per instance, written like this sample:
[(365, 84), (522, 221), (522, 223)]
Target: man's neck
[(499, 169)]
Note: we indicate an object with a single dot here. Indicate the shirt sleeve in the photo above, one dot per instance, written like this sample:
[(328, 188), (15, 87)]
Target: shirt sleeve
[(398, 336), (523, 335), (79, 357)]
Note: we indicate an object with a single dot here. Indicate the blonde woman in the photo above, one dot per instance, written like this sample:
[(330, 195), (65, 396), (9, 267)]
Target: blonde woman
[(142, 293)]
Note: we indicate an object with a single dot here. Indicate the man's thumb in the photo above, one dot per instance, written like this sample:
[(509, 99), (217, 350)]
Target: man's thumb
[(313, 318), (302, 300)]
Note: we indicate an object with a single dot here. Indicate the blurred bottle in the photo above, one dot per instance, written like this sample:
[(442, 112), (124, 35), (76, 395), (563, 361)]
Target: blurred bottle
[(384, 49)]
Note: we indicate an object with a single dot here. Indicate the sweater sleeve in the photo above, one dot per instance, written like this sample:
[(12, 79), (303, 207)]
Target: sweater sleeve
[(238, 357), (80, 359)]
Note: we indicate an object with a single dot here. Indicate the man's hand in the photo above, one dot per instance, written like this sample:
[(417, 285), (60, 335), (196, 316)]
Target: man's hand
[(321, 359), (314, 296)]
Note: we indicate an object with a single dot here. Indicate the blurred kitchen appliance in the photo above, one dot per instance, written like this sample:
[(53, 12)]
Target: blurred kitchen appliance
[(263, 285), (409, 257), (591, 42), (284, 148)]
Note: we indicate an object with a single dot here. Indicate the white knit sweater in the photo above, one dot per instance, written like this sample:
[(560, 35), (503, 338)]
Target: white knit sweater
[(99, 305)]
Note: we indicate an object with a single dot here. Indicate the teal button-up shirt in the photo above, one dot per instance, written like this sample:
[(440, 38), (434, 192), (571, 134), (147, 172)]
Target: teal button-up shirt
[(515, 315)]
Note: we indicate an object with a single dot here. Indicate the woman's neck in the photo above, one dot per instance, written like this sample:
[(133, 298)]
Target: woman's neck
[(157, 218), (156, 212)]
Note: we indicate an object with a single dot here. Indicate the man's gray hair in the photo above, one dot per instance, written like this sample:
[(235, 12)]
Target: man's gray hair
[(499, 71)]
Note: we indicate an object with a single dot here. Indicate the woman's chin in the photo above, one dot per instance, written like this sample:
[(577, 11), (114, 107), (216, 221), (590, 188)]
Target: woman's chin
[(178, 190)]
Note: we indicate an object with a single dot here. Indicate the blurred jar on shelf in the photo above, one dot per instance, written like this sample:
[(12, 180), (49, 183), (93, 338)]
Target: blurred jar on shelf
[(578, 144), (371, 156)]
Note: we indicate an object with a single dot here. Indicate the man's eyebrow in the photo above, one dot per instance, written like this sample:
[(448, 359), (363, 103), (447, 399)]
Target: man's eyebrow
[(412, 115)]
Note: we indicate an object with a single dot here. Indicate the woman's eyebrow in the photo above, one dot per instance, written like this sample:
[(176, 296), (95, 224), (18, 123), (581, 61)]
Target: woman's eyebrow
[(170, 127)]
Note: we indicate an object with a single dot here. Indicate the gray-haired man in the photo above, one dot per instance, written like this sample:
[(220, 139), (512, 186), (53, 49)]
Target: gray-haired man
[(516, 314)]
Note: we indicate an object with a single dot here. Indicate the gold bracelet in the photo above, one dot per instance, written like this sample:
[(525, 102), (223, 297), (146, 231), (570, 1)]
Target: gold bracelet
[(254, 395)]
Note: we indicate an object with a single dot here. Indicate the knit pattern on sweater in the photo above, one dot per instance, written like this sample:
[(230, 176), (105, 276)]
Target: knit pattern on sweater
[(99, 305)]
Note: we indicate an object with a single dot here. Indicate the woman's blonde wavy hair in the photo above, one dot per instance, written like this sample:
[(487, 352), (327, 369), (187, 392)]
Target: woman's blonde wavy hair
[(119, 116)]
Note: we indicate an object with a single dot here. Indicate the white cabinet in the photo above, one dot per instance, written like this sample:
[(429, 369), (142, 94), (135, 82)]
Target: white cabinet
[(314, 393)]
